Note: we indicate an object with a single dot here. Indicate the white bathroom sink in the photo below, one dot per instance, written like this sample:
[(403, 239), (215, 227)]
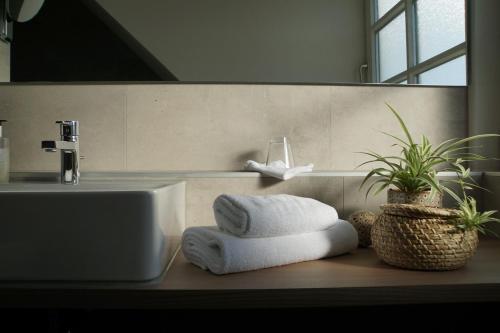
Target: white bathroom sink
[(89, 232)]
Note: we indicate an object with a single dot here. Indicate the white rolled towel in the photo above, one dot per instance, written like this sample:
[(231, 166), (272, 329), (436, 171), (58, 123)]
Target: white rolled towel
[(222, 253), (271, 215)]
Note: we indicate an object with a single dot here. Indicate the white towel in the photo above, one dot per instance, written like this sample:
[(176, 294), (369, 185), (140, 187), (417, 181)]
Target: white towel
[(222, 253), (277, 169), (271, 215)]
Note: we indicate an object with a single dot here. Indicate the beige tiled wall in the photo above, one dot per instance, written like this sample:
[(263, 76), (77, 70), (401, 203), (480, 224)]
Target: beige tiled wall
[(33, 110), (217, 127), (203, 191), (208, 127), (360, 114)]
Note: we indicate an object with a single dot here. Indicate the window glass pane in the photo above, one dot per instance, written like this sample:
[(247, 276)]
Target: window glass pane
[(452, 73), (392, 48), (440, 26), (383, 6), (403, 82)]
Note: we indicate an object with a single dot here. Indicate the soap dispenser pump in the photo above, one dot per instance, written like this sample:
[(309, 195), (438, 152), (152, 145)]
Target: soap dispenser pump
[(4, 156)]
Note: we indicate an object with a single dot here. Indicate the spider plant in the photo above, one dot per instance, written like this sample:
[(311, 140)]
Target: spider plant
[(469, 217), (416, 168)]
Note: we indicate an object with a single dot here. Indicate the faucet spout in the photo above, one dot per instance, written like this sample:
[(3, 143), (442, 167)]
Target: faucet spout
[(53, 146), (70, 151)]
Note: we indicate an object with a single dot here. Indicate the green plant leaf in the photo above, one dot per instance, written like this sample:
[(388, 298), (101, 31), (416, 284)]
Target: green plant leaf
[(402, 124), (460, 142), (416, 170), (372, 173), (396, 138)]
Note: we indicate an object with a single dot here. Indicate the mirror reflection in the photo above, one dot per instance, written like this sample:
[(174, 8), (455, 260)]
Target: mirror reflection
[(23, 10), (271, 41)]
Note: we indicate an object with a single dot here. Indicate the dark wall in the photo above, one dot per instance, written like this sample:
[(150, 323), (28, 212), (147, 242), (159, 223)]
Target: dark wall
[(66, 41)]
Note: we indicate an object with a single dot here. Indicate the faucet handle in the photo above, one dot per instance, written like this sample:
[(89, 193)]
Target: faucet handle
[(69, 128)]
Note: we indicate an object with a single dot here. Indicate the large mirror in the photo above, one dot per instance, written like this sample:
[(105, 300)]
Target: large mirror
[(285, 41)]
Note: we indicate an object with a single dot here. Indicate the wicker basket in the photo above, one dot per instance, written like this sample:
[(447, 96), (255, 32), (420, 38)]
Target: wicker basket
[(363, 221), (421, 238)]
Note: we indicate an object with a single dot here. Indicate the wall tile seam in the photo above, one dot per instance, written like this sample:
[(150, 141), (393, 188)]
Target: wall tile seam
[(343, 195), (331, 128), (125, 129)]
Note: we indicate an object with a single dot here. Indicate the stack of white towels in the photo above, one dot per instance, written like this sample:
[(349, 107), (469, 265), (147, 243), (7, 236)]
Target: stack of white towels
[(255, 232)]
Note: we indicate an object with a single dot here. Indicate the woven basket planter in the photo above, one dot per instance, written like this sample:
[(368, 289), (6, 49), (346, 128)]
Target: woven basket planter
[(363, 222), (423, 198), (421, 238)]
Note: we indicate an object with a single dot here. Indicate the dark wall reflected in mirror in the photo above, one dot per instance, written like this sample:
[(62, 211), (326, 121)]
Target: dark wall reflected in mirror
[(197, 40), (286, 41), (67, 41)]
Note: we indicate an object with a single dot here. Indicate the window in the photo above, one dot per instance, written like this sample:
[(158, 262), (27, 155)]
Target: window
[(418, 41), (450, 73), (383, 6), (392, 48)]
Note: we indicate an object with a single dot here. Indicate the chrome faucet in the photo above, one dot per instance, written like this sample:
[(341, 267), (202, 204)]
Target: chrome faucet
[(70, 151)]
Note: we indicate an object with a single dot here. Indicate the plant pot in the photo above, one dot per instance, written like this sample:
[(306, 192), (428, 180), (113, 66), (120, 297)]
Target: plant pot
[(363, 221), (422, 238), (423, 198)]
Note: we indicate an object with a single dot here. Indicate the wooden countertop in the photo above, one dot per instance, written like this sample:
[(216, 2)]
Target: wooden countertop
[(348, 280)]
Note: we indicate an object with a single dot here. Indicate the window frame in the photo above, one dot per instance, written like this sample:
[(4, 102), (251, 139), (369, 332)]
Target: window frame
[(413, 68)]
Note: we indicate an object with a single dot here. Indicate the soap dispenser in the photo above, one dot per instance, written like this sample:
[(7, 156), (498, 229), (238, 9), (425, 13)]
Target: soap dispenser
[(4, 156)]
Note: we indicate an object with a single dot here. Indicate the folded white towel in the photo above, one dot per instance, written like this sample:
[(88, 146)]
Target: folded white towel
[(271, 215), (277, 169), (222, 253)]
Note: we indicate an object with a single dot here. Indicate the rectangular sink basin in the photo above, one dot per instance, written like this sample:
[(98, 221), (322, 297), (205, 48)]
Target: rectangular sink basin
[(89, 232)]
